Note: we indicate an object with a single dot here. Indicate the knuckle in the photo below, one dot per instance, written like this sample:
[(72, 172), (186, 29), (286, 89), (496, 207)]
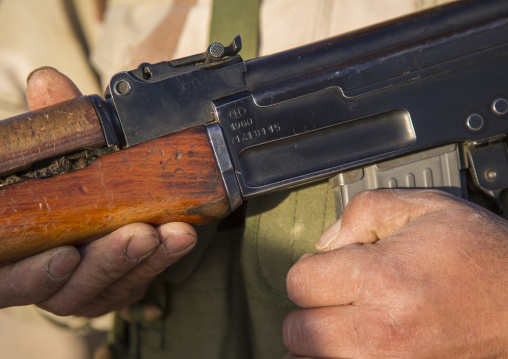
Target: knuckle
[(293, 279), (290, 331), (387, 276), (102, 275), (153, 267), (299, 282), (391, 332), (440, 199), (431, 197), (366, 197), (110, 272), (385, 336), (105, 268), (422, 196), (293, 284), (364, 203)]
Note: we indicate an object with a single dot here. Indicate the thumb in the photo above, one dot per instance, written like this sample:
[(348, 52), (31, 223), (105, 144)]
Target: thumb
[(373, 215), (46, 86)]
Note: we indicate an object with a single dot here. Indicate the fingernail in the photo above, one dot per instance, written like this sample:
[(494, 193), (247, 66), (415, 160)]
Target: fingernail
[(37, 70), (179, 242), (328, 237), (141, 245), (63, 263)]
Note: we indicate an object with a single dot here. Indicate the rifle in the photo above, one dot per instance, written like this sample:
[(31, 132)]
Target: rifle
[(419, 101)]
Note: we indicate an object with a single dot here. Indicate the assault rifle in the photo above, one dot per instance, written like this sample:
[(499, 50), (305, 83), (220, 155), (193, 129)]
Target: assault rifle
[(415, 102)]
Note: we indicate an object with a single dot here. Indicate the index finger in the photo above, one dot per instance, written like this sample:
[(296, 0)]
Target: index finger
[(337, 277), (374, 215), (354, 263)]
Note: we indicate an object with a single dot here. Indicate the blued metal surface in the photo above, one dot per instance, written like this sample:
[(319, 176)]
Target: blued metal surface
[(393, 89), (374, 41), (415, 66), (172, 98), (489, 165), (500, 106), (275, 145)]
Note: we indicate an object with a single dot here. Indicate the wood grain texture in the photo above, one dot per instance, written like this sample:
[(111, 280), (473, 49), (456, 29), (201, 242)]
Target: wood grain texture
[(48, 132), (173, 178)]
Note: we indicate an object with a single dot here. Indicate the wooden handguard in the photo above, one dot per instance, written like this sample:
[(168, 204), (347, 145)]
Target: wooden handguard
[(172, 178), (48, 132)]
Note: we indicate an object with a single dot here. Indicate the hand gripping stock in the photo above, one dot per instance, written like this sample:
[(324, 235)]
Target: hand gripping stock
[(159, 165), (420, 101), (172, 178)]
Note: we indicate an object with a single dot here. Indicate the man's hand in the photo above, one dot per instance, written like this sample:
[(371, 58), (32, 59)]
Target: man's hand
[(405, 274), (107, 274)]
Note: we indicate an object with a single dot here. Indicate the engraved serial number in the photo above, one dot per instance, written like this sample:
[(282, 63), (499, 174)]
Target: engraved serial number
[(241, 124), (250, 135)]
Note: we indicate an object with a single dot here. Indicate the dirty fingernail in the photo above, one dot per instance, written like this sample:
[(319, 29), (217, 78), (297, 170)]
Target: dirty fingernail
[(326, 240), (43, 68), (63, 263), (179, 242), (141, 245)]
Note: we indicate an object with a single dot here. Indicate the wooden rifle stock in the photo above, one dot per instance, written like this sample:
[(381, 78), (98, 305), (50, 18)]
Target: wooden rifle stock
[(172, 178), (48, 132)]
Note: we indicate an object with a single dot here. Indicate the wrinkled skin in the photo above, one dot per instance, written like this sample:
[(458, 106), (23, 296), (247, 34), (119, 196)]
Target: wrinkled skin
[(403, 274), (107, 274)]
